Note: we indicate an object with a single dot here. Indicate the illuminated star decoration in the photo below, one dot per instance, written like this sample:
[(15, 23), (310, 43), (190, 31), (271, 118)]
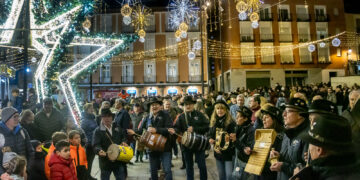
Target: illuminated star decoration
[(106, 46), (10, 23), (48, 34), (183, 11)]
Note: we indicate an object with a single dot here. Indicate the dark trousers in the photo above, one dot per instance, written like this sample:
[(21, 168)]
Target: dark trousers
[(90, 155), (119, 173), (165, 159), (199, 159)]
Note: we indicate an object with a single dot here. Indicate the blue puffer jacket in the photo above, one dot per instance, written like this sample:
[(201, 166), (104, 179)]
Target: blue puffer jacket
[(18, 140), (88, 124)]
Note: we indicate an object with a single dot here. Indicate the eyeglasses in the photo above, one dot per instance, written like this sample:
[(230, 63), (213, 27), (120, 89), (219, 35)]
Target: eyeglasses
[(289, 111)]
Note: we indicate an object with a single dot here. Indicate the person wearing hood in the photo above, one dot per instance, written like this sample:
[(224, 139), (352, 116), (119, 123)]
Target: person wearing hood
[(13, 135), (332, 154), (37, 164), (243, 139), (292, 150)]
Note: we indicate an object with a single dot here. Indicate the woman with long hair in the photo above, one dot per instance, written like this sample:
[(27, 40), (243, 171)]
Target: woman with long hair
[(221, 125)]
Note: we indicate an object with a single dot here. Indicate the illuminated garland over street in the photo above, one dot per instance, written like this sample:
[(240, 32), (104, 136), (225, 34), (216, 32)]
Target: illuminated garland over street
[(10, 21)]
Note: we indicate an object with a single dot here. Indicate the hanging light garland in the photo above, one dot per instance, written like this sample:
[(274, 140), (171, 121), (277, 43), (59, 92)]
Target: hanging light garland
[(249, 8), (183, 13), (126, 11)]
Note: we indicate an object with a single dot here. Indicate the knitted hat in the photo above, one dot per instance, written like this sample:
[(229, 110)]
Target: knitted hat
[(7, 113)]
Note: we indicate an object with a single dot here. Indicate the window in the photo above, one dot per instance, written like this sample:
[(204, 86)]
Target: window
[(171, 41), (149, 45), (265, 12), (105, 73), (194, 70), (304, 31), (321, 30), (305, 55), (192, 37), (127, 71), (149, 71), (106, 23), (247, 54), (286, 53), (267, 53), (266, 31), (285, 32), (284, 12), (168, 27), (323, 54), (126, 28), (302, 13), (358, 25), (172, 71), (151, 27), (320, 13), (246, 31)]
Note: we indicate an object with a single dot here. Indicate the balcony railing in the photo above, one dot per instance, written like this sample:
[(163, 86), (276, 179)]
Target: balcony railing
[(127, 79), (105, 80), (304, 37), (321, 18), (172, 79), (286, 59), (195, 78), (284, 17), (127, 29), (266, 16), (266, 37), (285, 37), (303, 17), (150, 78), (246, 37), (305, 59)]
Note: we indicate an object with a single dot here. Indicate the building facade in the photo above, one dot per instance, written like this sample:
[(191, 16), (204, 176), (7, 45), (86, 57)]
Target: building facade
[(159, 66), (281, 24)]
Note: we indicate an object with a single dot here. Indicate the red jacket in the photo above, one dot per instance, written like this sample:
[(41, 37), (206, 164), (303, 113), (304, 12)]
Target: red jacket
[(61, 169)]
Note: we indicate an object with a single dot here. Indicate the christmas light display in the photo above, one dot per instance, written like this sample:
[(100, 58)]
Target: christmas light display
[(10, 22)]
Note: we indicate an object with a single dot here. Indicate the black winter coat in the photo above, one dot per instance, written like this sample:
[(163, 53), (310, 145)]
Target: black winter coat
[(101, 141), (48, 125), (88, 124), (36, 167), (292, 150), (227, 154), (244, 138), (161, 123)]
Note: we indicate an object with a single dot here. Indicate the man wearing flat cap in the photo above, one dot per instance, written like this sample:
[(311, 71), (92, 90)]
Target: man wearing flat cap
[(332, 154), (292, 149)]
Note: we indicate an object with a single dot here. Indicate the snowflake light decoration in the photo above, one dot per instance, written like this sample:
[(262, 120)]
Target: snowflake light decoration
[(140, 16), (183, 11)]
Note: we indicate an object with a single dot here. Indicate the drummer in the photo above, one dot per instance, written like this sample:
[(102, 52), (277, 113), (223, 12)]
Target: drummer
[(158, 121), (192, 121), (105, 135)]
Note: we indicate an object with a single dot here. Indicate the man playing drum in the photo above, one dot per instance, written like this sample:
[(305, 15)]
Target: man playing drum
[(192, 121), (158, 122), (104, 136)]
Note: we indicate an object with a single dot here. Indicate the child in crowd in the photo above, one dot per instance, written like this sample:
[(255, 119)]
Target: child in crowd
[(78, 154), (37, 165), (56, 137), (16, 169), (61, 164)]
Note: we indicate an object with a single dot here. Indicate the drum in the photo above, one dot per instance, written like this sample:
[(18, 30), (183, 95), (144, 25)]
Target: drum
[(155, 142), (195, 141), (120, 153)]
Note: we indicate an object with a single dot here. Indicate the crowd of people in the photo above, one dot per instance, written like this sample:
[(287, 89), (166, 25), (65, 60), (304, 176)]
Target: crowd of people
[(317, 134)]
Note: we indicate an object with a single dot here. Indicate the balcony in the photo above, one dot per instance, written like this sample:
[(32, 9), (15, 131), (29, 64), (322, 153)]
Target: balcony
[(285, 38), (150, 79), (266, 37), (321, 18), (284, 17), (305, 59), (266, 16), (304, 37), (127, 79), (172, 79), (105, 80), (195, 78), (246, 37), (303, 17)]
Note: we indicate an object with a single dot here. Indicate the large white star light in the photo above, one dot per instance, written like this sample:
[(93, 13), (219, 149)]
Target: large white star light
[(46, 38), (106, 46), (7, 28)]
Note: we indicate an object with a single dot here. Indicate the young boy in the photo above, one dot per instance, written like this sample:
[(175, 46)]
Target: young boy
[(77, 153), (56, 137), (61, 164)]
